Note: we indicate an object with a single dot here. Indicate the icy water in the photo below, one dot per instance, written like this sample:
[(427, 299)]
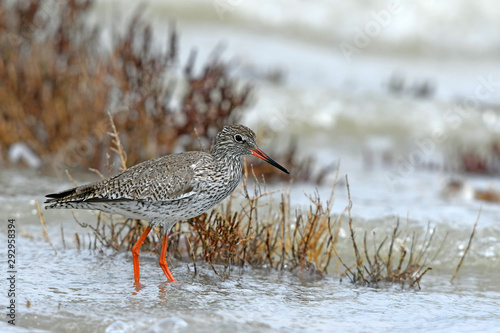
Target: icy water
[(336, 108)]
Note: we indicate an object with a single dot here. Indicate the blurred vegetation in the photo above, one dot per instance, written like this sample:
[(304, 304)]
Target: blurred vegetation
[(487, 162), (58, 81)]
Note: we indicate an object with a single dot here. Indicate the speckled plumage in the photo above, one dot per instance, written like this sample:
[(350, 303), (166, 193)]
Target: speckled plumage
[(167, 189), (171, 188)]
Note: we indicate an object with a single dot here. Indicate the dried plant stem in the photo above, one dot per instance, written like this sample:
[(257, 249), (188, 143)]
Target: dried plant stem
[(77, 240), (343, 264), (97, 172), (193, 256), (62, 237), (42, 221), (468, 246), (117, 143), (71, 179), (359, 261)]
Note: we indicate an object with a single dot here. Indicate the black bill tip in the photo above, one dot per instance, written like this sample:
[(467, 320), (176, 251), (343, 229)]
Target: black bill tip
[(260, 154)]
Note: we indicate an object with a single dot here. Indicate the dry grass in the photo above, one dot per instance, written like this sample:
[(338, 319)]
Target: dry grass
[(58, 83), (267, 233), (263, 234), (381, 266), (258, 233), (262, 231)]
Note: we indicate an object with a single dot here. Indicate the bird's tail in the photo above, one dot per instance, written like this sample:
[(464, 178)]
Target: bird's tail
[(72, 198)]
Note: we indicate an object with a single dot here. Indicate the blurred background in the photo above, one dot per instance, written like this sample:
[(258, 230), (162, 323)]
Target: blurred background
[(404, 96)]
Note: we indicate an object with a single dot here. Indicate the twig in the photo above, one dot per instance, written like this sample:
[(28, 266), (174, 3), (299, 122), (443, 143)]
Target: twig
[(62, 237), (193, 256), (389, 256), (71, 179), (417, 280), (77, 240), (116, 141), (198, 140), (346, 267), (359, 262), (97, 172), (283, 231), (468, 245), (42, 221)]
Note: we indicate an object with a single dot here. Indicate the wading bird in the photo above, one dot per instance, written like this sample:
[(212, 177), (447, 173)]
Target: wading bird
[(169, 189)]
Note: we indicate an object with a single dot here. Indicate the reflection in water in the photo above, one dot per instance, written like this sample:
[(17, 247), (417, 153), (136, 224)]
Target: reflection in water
[(162, 292), (138, 286)]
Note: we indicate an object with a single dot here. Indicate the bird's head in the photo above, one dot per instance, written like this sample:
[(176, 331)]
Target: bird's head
[(239, 140)]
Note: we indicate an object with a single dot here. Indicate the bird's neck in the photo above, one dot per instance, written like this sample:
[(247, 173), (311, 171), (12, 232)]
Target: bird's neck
[(232, 163)]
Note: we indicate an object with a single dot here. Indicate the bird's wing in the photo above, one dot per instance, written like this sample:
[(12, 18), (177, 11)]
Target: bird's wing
[(161, 179)]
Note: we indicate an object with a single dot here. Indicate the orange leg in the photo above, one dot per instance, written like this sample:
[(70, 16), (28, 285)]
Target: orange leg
[(163, 259), (135, 253)]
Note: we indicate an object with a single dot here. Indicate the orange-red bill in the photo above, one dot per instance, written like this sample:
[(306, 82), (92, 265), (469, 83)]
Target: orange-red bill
[(260, 154)]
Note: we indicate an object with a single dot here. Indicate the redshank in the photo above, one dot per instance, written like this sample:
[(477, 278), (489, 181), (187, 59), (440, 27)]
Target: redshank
[(169, 189)]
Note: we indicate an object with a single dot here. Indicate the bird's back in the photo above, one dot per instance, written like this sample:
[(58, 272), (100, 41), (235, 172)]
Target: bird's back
[(165, 179)]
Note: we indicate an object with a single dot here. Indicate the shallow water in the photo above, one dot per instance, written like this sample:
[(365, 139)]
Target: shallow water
[(84, 290), (81, 291)]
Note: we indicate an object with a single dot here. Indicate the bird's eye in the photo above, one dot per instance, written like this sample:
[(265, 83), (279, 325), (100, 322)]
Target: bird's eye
[(238, 138)]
